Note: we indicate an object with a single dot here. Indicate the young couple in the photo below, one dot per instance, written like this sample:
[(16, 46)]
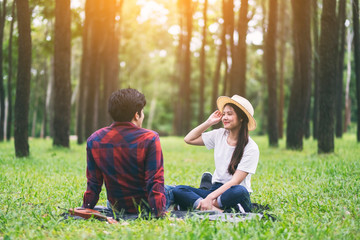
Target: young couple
[(129, 159)]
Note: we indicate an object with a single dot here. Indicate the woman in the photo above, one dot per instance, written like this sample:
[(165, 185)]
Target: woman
[(236, 157)]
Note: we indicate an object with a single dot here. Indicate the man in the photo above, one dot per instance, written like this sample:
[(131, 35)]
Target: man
[(127, 158)]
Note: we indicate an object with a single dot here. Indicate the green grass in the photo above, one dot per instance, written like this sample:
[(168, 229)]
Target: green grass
[(314, 196)]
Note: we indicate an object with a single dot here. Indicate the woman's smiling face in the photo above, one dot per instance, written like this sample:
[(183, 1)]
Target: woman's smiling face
[(230, 118)]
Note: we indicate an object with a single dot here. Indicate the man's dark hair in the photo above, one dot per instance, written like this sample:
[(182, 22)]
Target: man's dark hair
[(124, 103)]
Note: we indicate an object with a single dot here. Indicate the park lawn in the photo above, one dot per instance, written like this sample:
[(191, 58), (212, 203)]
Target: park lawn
[(313, 196)]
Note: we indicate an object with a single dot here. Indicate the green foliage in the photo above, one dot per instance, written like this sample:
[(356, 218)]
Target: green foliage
[(314, 196)]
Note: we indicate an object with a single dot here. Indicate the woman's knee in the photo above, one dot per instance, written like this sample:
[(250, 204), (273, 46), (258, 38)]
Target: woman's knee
[(239, 191), (236, 195)]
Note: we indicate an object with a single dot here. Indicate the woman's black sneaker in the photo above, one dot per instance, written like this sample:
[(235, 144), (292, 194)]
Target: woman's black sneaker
[(206, 181)]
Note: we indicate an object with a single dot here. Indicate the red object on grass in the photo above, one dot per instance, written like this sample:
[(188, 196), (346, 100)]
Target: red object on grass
[(87, 213)]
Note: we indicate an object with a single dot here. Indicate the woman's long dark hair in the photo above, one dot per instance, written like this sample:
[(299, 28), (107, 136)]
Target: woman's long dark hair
[(243, 139)]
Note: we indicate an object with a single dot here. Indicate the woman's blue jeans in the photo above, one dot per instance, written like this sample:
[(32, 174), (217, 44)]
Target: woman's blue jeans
[(187, 197)]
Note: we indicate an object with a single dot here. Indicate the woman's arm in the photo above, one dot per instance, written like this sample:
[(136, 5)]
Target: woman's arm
[(207, 203), (194, 136)]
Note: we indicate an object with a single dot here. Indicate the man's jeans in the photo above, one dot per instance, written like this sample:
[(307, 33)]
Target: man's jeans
[(187, 197), (169, 196)]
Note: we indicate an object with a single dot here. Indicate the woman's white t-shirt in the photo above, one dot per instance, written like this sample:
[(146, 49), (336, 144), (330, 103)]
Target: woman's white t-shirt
[(217, 140)]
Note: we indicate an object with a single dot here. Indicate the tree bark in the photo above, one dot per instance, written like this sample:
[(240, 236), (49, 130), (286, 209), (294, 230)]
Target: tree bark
[(340, 70), (151, 112), (356, 40), (262, 128), (300, 91), (110, 73), (62, 59), (10, 75), (242, 47), (178, 76), (315, 23), (271, 75), (23, 79), (282, 54), (202, 66), (307, 122), (233, 71), (2, 91), (187, 68), (183, 116), (95, 44), (219, 60), (239, 56), (35, 103), (347, 120), (83, 77), (328, 66), (229, 24), (43, 131)]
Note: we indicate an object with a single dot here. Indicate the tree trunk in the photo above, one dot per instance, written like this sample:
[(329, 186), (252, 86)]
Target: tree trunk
[(357, 60), (282, 54), (62, 59), (229, 24), (202, 66), (307, 122), (110, 73), (226, 77), (328, 66), (239, 56), (347, 120), (10, 73), (263, 92), (187, 68), (315, 23), (230, 87), (83, 77), (95, 44), (2, 91), (300, 91), (178, 76), (339, 80), (23, 79), (43, 131), (271, 75), (183, 116), (151, 112), (242, 47), (35, 103), (219, 60), (50, 98)]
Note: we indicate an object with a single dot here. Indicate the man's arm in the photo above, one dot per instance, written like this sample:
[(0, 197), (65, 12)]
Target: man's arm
[(94, 181), (154, 177)]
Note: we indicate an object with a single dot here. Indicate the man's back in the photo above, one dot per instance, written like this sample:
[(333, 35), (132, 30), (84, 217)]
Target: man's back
[(129, 160)]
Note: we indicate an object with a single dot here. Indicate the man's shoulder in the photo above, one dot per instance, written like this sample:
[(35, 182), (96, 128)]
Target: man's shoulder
[(98, 134), (148, 134)]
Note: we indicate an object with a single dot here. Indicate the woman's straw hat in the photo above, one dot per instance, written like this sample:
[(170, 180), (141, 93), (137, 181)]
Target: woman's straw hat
[(243, 104)]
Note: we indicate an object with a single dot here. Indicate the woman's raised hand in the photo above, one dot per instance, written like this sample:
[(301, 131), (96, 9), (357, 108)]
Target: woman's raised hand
[(215, 117)]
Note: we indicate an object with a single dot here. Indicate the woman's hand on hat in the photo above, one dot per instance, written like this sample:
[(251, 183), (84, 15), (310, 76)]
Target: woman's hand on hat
[(215, 117)]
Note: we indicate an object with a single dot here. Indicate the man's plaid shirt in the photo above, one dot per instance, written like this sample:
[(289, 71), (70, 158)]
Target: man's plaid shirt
[(129, 160)]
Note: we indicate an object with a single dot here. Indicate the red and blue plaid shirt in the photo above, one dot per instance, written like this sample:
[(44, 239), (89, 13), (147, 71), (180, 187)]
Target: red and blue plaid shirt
[(129, 160)]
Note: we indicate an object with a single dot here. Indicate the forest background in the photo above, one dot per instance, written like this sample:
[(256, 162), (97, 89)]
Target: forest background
[(296, 61)]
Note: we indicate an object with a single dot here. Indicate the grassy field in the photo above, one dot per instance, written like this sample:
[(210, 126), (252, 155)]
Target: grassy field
[(313, 196)]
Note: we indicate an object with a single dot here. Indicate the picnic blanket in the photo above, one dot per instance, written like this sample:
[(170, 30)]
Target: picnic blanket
[(106, 214)]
